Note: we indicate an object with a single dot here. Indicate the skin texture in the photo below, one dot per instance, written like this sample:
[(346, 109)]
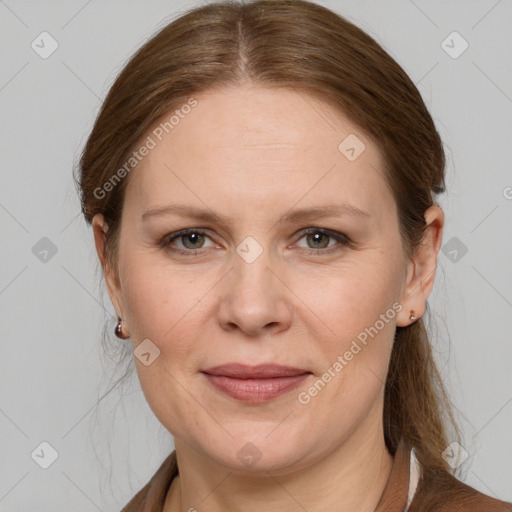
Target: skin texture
[(251, 155)]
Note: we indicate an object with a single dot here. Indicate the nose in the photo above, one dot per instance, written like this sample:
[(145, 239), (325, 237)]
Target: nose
[(254, 299)]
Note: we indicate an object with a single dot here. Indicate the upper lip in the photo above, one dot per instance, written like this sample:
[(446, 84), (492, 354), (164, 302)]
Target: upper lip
[(261, 371)]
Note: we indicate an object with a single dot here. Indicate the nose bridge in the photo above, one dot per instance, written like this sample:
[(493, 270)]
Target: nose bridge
[(253, 296), (251, 276)]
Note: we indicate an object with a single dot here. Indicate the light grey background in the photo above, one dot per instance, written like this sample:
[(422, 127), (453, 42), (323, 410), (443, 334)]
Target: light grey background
[(52, 368)]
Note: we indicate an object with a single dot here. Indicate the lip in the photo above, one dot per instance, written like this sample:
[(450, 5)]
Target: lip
[(255, 384), (261, 371)]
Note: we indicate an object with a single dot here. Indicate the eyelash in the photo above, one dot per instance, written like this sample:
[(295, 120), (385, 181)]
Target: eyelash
[(339, 237)]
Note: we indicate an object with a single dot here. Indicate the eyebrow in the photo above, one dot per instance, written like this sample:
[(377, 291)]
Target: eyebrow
[(294, 216)]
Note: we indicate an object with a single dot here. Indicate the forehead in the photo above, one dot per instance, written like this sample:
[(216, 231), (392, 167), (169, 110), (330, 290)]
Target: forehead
[(256, 146)]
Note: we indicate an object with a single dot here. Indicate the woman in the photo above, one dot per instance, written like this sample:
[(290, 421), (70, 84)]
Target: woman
[(260, 181)]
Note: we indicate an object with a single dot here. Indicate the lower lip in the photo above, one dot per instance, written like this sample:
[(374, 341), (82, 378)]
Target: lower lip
[(255, 390)]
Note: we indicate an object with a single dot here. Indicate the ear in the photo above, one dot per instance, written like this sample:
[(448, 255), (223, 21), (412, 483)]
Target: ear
[(100, 228), (422, 269)]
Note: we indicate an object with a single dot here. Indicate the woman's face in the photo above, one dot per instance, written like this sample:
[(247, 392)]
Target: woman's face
[(249, 285)]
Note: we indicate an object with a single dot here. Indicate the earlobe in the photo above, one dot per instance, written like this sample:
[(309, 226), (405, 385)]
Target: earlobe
[(422, 270), (100, 229)]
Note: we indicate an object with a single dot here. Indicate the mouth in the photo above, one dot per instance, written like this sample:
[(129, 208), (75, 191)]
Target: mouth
[(255, 384)]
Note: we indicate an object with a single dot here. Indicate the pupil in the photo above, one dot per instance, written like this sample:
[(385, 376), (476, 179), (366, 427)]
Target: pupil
[(191, 236), (316, 237)]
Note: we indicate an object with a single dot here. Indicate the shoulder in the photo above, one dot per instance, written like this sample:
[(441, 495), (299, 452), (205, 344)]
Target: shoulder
[(151, 497), (442, 492)]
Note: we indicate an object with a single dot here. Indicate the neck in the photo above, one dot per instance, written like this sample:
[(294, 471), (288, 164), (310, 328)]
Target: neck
[(350, 478)]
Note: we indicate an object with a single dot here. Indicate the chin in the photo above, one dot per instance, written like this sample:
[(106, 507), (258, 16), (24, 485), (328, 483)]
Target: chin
[(258, 453)]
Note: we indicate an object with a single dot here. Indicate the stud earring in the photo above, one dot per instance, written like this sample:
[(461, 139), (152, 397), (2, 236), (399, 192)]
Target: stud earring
[(119, 330), (413, 315)]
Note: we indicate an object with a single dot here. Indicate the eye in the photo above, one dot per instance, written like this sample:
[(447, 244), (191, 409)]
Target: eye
[(319, 238), (190, 242), (191, 239)]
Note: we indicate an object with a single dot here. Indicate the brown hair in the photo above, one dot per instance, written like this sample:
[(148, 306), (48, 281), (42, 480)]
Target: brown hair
[(304, 46)]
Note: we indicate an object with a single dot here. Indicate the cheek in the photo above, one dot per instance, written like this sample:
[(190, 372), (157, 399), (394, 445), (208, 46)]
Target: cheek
[(163, 305), (159, 297), (342, 302), (357, 320), (351, 332)]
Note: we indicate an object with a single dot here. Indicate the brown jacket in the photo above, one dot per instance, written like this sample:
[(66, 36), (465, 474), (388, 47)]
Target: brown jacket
[(442, 493)]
